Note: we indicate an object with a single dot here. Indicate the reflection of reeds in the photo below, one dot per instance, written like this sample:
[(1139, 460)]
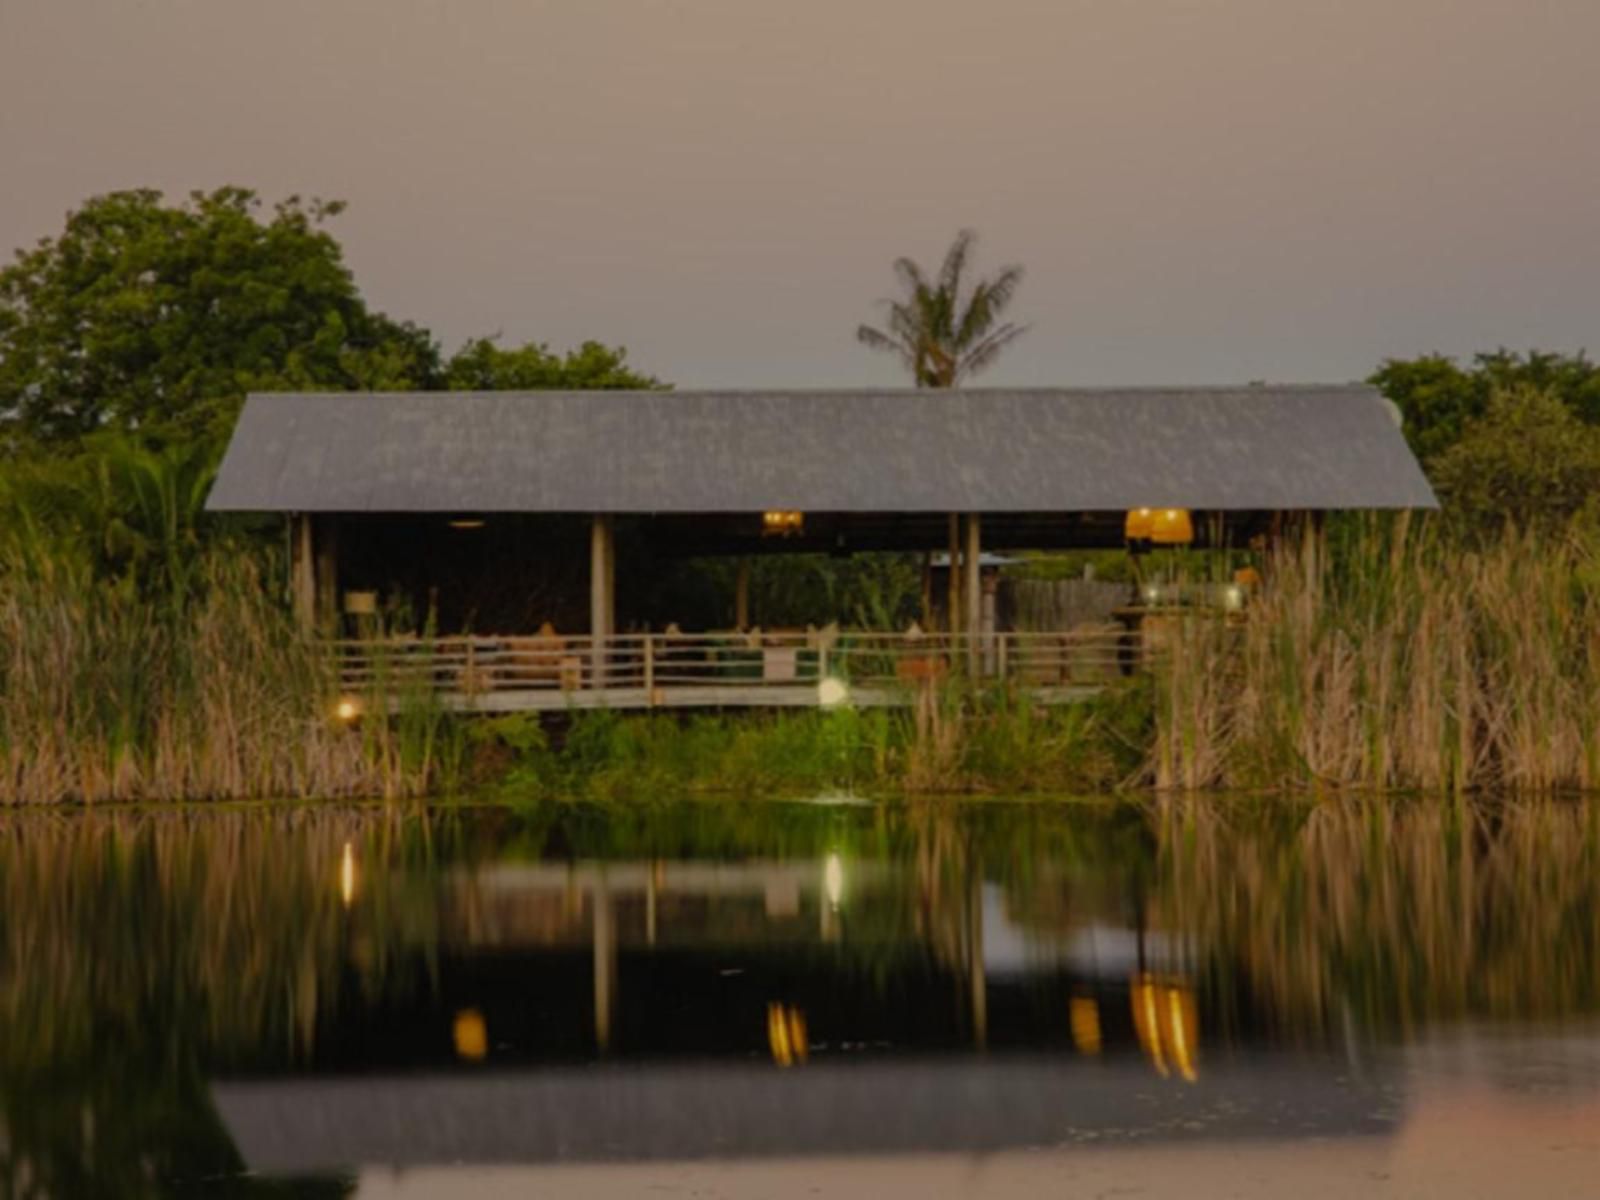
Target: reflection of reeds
[(1399, 660), (106, 694), (229, 926), (1398, 913)]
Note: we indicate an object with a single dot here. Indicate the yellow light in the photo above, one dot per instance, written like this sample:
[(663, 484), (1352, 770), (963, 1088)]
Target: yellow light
[(782, 523), (1181, 1031), (348, 709), (471, 1035), (1172, 527), (1085, 1015), (347, 875), (467, 523), (1147, 1023), (1137, 527)]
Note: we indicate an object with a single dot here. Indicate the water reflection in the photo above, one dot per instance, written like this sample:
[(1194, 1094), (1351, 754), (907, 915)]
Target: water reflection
[(276, 998)]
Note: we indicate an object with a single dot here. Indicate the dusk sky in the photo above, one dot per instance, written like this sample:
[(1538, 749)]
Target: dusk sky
[(1200, 190)]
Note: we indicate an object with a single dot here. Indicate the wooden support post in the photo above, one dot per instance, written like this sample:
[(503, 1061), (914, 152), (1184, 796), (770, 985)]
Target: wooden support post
[(741, 596), (302, 571), (972, 600), (650, 670), (602, 595), (989, 619), (327, 543), (953, 597), (927, 590)]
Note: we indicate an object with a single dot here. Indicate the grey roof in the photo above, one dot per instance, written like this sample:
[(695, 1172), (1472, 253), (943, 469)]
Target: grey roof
[(1247, 448)]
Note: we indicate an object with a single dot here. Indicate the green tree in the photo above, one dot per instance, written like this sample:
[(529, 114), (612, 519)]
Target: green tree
[(1438, 398), (1528, 459), (483, 366), (942, 333), (153, 317)]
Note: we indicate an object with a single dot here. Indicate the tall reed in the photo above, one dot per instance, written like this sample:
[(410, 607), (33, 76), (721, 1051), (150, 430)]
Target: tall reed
[(1394, 658), (108, 693)]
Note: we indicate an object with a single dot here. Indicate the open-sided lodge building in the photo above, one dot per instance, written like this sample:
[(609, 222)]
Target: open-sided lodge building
[(515, 514)]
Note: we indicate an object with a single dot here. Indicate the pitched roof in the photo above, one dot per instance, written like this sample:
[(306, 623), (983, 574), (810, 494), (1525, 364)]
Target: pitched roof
[(1247, 448)]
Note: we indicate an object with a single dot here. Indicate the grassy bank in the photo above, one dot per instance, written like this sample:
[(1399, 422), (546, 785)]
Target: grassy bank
[(1385, 657)]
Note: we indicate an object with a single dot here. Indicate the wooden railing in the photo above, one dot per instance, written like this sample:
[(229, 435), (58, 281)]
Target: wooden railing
[(658, 665)]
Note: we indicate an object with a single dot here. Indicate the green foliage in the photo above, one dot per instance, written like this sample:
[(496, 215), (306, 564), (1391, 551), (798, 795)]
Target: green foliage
[(942, 334), (1529, 459), (148, 316), (1438, 398), (482, 366)]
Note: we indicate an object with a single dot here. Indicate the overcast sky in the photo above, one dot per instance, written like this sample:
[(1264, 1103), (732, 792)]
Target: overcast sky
[(1200, 190)]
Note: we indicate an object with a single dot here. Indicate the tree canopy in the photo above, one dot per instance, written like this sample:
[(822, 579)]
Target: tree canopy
[(1438, 398), (943, 332), (155, 319), (147, 316)]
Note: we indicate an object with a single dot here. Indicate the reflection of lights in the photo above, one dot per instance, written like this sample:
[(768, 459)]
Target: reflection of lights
[(832, 692), (1167, 1024), (348, 709), (471, 1035), (833, 879), (786, 1034), (1152, 594), (1085, 1013), (347, 875)]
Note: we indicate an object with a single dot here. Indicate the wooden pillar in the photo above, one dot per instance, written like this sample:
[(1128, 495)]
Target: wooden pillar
[(927, 591), (953, 597), (972, 598), (602, 594), (302, 571), (327, 542), (741, 596)]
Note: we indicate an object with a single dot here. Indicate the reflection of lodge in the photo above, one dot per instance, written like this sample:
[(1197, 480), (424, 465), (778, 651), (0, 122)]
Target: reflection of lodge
[(861, 978)]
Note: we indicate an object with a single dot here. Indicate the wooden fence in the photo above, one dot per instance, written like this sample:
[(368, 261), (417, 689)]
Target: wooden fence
[(505, 673)]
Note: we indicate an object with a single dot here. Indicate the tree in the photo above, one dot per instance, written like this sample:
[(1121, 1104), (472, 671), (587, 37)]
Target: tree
[(158, 318), (942, 336), (1438, 399), (1528, 459), (482, 366)]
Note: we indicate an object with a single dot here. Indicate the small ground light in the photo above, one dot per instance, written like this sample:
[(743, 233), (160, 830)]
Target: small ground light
[(832, 692), (471, 1035), (348, 709)]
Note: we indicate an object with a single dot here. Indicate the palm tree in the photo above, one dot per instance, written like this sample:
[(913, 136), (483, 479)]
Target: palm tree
[(942, 337)]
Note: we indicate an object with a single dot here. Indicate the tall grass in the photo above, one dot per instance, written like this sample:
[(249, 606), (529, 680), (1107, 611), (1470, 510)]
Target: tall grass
[(1393, 657), (110, 693)]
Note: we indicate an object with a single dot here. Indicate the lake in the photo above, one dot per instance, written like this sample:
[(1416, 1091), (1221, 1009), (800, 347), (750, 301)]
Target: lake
[(1201, 998)]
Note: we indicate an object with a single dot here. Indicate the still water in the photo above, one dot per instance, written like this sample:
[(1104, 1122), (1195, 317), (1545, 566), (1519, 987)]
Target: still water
[(787, 1000)]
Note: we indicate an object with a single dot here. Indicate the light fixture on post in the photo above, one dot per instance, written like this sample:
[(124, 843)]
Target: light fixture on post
[(782, 523), (1136, 529), (1171, 527)]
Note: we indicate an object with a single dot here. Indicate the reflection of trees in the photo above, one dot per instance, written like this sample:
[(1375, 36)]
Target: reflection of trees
[(138, 951), (1396, 913)]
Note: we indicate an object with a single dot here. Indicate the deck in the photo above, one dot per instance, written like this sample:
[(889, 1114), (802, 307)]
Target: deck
[(798, 669)]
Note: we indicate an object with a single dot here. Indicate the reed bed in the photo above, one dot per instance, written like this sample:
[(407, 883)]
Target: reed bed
[(1393, 658), (108, 693)]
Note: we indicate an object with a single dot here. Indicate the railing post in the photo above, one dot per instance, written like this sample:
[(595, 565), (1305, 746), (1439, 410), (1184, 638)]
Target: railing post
[(1002, 640), (650, 670)]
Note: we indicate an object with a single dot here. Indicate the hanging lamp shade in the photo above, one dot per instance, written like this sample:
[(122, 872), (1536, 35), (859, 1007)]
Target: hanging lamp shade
[(1171, 527), (1138, 525)]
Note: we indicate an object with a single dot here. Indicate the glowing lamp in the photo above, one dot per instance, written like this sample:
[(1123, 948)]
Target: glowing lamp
[(1138, 525), (1171, 527), (347, 709), (782, 523), (832, 693), (471, 1035), (467, 523)]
